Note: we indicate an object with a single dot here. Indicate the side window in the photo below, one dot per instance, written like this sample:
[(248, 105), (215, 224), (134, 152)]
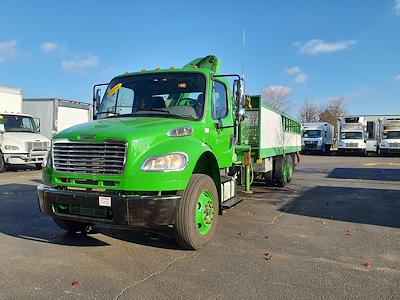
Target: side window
[(219, 107)]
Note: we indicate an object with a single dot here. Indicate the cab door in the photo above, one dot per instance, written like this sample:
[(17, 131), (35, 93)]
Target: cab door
[(221, 132)]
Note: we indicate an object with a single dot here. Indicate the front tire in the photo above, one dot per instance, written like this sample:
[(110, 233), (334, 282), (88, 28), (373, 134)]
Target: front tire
[(72, 226), (2, 164), (197, 214), (38, 166)]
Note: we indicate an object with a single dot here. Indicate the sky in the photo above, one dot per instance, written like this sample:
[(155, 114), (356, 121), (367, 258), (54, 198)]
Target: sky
[(313, 49)]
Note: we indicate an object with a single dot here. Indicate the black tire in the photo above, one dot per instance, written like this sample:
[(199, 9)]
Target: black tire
[(290, 168), (73, 226), (269, 178), (2, 164), (187, 232), (38, 166), (279, 172)]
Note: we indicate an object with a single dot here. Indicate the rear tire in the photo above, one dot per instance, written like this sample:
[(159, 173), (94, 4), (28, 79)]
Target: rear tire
[(2, 164), (280, 173), (73, 226), (197, 214), (290, 168)]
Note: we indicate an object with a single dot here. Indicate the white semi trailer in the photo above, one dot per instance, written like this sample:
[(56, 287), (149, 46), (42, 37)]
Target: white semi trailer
[(20, 141), (57, 114), (352, 135), (317, 137), (389, 136)]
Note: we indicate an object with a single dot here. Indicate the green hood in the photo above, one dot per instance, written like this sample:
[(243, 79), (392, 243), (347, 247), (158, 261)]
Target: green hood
[(124, 128)]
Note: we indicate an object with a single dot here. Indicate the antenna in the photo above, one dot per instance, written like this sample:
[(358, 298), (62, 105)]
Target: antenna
[(243, 44)]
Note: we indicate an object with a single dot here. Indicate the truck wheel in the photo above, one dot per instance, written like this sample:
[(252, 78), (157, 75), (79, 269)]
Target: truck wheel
[(290, 168), (73, 226), (38, 166), (197, 215), (269, 179), (2, 164), (280, 174)]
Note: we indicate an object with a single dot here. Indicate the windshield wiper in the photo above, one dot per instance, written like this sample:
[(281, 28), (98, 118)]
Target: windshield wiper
[(168, 113)]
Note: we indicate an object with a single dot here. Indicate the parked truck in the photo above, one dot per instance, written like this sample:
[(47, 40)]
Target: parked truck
[(352, 135), (317, 137), (389, 136), (57, 114), (20, 141), (167, 148)]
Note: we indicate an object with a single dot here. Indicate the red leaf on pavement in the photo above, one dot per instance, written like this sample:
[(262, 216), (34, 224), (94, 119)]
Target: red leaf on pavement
[(367, 264), (76, 283), (267, 236), (240, 233), (348, 232), (267, 256)]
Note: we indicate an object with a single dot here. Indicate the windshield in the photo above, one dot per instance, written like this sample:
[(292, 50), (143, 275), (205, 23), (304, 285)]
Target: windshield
[(391, 134), (351, 135), (16, 123), (312, 133), (176, 95)]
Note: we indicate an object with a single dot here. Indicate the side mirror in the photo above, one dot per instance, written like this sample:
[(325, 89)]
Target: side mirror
[(37, 122), (2, 128), (239, 99)]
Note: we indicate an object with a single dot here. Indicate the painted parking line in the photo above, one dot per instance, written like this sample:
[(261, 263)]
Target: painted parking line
[(381, 164)]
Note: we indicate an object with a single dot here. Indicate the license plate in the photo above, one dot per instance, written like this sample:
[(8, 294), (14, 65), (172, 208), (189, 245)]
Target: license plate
[(104, 201)]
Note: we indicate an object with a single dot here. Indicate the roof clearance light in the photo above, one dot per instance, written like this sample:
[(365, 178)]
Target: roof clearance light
[(158, 69), (195, 67)]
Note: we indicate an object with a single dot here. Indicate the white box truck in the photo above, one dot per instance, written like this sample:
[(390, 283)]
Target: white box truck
[(352, 135), (389, 136), (20, 141), (317, 137), (57, 114)]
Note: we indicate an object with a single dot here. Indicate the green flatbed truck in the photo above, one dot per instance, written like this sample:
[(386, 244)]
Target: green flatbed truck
[(167, 148)]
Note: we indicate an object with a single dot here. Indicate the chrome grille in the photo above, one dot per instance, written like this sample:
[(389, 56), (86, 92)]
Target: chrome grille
[(89, 158), (352, 145), (36, 146), (394, 145)]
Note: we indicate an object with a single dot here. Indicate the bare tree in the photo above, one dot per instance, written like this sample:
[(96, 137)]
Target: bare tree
[(309, 112), (277, 97), (334, 108)]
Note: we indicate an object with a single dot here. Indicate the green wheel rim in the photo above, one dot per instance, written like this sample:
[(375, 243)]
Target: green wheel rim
[(204, 212), (290, 169), (285, 171)]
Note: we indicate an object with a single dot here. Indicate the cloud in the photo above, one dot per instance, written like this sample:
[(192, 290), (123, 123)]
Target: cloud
[(301, 78), (80, 66), (48, 47), (297, 72), (8, 50), (316, 46), (397, 77), (292, 71), (396, 7)]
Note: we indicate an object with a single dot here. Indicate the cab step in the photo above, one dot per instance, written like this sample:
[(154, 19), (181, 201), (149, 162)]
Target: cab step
[(231, 202)]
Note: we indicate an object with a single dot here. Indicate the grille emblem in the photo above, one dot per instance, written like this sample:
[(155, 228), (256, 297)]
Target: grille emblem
[(87, 137)]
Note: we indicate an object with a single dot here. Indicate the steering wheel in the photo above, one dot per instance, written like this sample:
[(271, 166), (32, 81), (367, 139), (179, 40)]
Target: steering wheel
[(186, 101)]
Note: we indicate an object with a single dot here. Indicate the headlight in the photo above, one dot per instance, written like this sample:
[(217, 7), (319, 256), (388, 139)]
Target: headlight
[(11, 147), (383, 145), (169, 162)]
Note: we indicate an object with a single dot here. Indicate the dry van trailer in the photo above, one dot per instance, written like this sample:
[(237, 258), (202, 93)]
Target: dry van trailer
[(57, 114)]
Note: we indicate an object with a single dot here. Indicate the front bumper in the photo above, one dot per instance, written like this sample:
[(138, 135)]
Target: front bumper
[(23, 158), (390, 150), (143, 211)]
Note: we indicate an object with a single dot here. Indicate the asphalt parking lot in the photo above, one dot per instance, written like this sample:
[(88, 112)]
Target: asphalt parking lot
[(334, 232)]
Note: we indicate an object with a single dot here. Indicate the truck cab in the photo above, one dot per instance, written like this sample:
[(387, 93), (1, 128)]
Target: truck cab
[(317, 137), (352, 135), (390, 136), (20, 141)]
